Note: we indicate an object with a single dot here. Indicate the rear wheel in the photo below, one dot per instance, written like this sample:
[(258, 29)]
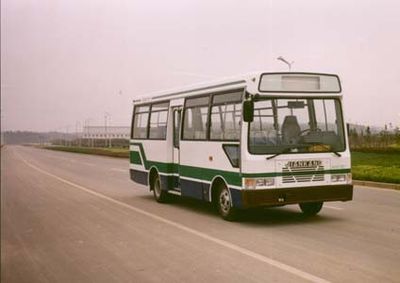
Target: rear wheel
[(159, 194), (224, 204), (311, 208)]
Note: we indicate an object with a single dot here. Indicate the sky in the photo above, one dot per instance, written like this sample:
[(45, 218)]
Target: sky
[(69, 63)]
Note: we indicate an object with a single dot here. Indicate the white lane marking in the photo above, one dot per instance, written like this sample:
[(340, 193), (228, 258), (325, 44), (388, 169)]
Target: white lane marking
[(119, 170), (226, 244), (60, 157), (333, 207)]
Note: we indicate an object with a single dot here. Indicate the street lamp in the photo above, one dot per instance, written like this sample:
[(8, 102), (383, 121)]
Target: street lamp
[(280, 58)]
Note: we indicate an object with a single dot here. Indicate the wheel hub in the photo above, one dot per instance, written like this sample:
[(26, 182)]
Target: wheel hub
[(225, 201)]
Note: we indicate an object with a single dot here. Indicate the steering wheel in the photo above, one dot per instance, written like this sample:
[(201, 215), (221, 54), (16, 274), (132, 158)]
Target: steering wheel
[(303, 132)]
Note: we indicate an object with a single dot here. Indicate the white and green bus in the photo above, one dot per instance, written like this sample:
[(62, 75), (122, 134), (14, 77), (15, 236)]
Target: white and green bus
[(264, 139)]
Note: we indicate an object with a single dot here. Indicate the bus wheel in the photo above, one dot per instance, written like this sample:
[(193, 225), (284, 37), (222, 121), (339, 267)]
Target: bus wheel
[(159, 195), (311, 208), (224, 204)]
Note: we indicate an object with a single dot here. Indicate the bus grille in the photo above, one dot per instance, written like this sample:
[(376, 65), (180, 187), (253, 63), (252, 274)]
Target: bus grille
[(303, 174)]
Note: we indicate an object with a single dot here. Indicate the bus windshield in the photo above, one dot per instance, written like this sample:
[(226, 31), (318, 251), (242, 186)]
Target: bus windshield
[(296, 125)]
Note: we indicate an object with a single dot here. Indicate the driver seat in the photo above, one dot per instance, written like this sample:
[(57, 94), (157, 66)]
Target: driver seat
[(290, 130)]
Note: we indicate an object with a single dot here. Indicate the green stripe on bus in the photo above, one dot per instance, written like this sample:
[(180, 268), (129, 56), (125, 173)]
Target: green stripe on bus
[(162, 166), (134, 157), (204, 174)]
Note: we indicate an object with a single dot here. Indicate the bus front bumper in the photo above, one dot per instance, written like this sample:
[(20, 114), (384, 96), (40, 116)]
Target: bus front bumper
[(278, 197)]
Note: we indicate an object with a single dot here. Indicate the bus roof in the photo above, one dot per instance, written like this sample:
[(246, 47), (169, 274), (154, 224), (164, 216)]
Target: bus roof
[(250, 81)]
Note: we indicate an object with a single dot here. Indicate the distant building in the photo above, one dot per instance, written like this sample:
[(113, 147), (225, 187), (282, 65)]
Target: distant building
[(109, 132)]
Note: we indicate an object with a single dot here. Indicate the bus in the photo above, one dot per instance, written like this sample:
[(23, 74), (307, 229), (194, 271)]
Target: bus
[(258, 140)]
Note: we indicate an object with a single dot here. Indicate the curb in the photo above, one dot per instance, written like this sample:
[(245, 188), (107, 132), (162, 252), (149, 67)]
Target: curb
[(377, 185)]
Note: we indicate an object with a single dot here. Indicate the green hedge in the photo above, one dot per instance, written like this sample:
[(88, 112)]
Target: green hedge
[(376, 166), (114, 152)]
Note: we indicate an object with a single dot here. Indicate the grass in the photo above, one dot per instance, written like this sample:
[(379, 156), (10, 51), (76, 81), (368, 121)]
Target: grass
[(367, 165), (376, 166)]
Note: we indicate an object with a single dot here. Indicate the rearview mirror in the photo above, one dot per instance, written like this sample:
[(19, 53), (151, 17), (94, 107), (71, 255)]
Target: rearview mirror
[(248, 110)]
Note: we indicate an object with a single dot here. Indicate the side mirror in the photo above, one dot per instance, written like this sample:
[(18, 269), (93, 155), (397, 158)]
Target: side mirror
[(248, 110)]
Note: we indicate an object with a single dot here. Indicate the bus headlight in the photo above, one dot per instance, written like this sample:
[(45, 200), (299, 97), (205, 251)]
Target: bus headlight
[(342, 178), (258, 183)]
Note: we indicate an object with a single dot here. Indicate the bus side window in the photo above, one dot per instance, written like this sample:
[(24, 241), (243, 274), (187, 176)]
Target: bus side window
[(226, 113), (177, 122), (195, 118), (158, 121)]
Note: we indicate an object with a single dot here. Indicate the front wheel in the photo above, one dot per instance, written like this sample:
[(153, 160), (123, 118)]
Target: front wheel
[(159, 194), (224, 204), (311, 208)]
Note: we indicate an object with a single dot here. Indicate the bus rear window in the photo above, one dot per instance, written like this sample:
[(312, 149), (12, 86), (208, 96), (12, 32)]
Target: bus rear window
[(150, 121), (140, 121)]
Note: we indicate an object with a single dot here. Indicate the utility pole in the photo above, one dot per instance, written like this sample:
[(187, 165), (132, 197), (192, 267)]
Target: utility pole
[(105, 129), (84, 130), (89, 140), (66, 136), (77, 135), (106, 116), (109, 121)]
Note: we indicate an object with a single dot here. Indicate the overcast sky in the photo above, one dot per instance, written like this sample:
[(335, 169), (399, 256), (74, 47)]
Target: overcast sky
[(67, 61)]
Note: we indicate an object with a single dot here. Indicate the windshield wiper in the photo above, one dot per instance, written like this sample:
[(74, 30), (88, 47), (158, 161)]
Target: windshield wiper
[(285, 150)]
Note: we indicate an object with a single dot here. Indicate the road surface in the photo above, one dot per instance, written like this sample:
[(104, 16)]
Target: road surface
[(69, 217)]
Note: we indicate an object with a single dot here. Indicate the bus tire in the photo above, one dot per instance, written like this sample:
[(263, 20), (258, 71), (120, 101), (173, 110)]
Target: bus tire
[(224, 204), (311, 208), (159, 195)]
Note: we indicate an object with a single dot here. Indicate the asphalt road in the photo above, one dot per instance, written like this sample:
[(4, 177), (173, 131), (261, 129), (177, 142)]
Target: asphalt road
[(78, 218)]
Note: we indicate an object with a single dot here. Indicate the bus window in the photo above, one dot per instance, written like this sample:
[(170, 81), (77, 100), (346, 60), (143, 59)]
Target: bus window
[(226, 116), (286, 123), (140, 121), (158, 121), (195, 118), (177, 121), (263, 129)]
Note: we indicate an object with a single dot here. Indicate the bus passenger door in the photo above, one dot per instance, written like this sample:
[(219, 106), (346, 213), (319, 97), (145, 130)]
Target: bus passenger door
[(177, 115)]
